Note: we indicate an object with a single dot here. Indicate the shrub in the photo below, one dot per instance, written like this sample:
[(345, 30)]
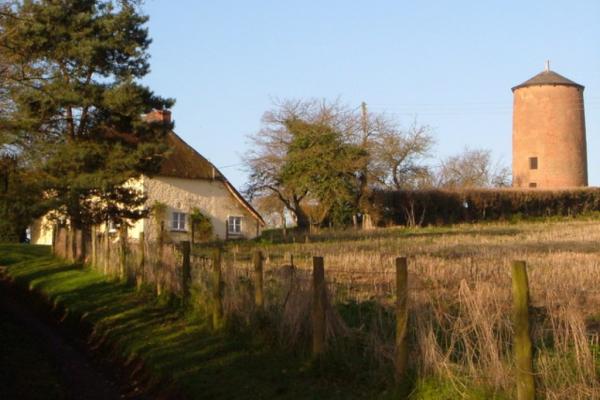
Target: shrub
[(437, 207), (202, 228)]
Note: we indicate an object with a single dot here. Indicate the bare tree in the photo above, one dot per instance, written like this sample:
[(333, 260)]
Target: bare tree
[(472, 169), (398, 156)]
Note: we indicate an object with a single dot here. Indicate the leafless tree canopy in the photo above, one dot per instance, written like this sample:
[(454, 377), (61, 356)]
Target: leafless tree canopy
[(398, 156), (472, 169)]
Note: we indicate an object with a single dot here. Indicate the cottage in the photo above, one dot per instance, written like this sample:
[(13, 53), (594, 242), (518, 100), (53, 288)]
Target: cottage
[(187, 181)]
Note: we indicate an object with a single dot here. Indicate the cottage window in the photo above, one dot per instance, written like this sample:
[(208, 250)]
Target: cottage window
[(533, 163), (234, 225), (111, 227), (533, 185), (178, 221)]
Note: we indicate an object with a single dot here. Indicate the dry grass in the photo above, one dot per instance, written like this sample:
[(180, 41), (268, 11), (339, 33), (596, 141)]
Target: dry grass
[(460, 299)]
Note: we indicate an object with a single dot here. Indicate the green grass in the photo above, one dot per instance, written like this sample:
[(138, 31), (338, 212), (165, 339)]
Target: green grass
[(172, 343), (437, 389), (179, 345)]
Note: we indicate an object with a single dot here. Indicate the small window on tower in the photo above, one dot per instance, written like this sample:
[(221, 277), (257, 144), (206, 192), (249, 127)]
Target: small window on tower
[(532, 184), (533, 163)]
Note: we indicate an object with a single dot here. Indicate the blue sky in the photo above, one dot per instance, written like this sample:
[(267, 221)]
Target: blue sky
[(449, 64)]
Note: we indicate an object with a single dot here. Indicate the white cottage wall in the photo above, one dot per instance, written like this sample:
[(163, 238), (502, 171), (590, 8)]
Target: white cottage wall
[(41, 231), (211, 197)]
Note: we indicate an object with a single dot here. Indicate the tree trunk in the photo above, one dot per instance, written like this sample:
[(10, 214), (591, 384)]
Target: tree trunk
[(302, 220)]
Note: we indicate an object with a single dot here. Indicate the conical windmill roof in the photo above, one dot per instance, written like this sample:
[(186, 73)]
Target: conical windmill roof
[(548, 77)]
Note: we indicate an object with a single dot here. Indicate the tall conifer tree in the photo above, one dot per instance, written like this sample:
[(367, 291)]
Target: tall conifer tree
[(77, 104)]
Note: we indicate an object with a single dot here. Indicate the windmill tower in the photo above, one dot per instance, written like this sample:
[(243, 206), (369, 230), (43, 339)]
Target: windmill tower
[(549, 145)]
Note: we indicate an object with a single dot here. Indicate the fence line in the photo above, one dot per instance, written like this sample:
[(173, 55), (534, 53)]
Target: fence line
[(238, 283)]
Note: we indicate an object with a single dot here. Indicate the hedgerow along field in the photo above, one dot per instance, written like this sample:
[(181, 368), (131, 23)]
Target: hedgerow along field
[(459, 302)]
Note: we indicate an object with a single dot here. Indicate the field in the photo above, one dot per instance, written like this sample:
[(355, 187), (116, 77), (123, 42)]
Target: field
[(460, 299)]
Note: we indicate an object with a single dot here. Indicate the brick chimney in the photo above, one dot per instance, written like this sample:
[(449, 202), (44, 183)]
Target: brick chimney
[(159, 116)]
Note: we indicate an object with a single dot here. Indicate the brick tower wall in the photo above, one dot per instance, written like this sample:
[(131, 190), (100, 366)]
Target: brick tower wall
[(549, 123)]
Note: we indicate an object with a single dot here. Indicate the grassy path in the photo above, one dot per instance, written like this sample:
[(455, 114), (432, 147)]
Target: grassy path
[(172, 345)]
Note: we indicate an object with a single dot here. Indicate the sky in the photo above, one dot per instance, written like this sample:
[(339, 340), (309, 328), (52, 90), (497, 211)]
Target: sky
[(446, 64)]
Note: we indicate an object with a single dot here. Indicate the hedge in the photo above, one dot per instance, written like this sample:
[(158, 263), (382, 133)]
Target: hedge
[(439, 207)]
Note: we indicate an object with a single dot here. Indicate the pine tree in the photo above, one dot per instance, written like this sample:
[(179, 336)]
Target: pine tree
[(77, 105)]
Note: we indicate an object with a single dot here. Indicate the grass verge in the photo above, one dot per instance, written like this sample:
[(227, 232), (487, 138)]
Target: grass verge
[(172, 345), (157, 342)]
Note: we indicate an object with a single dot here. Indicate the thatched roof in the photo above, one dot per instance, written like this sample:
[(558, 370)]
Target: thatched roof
[(185, 162), (548, 78)]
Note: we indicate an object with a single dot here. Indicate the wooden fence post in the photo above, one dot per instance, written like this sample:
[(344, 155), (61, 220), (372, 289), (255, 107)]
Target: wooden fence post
[(106, 251), (54, 238), (259, 298), (289, 257), (192, 231), (94, 246), (74, 245), (68, 241), (218, 286), (318, 307), (401, 351), (123, 252), (82, 257), (159, 262), (522, 339), (186, 272), (139, 276)]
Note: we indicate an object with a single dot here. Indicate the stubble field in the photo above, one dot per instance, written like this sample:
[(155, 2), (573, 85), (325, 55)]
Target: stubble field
[(459, 298)]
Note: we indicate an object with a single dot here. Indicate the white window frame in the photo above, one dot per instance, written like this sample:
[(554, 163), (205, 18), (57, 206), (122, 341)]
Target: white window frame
[(111, 227), (231, 232), (178, 221)]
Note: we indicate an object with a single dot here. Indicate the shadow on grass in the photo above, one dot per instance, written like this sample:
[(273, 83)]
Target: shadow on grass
[(21, 349), (178, 344), (14, 253), (492, 250), (173, 343)]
